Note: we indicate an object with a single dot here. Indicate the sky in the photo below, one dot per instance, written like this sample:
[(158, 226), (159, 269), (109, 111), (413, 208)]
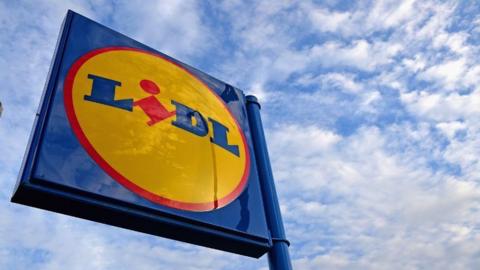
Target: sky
[(371, 112)]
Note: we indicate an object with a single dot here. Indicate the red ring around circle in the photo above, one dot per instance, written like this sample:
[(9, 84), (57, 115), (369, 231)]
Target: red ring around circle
[(68, 101)]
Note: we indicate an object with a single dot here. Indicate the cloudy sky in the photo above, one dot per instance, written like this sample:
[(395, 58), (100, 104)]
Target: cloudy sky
[(371, 112)]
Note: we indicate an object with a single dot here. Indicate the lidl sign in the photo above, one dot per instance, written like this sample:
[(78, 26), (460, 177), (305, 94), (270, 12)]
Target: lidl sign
[(131, 137)]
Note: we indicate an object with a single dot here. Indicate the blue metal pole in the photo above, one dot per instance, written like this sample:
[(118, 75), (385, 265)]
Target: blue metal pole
[(278, 256)]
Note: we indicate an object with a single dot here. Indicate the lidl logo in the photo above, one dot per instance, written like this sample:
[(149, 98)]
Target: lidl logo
[(156, 128)]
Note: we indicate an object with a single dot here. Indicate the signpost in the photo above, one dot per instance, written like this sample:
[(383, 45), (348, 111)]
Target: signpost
[(278, 256), (131, 137)]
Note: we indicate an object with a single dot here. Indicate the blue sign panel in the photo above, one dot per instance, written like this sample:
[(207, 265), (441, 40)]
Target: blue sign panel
[(133, 138)]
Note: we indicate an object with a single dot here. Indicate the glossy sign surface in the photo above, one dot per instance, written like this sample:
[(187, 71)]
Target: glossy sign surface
[(133, 136)]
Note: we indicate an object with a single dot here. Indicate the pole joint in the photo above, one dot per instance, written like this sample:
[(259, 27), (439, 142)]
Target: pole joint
[(254, 100), (283, 240)]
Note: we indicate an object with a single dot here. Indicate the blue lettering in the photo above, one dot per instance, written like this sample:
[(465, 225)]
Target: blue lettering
[(220, 137), (103, 92), (183, 120)]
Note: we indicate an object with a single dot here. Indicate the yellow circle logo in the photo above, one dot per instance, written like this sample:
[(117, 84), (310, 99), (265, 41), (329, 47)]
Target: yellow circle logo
[(156, 129)]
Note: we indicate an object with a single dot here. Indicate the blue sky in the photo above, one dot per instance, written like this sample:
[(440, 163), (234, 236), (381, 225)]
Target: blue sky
[(371, 111)]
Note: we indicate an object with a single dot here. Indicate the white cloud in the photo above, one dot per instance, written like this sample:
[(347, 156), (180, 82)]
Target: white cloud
[(172, 27), (414, 64), (463, 150), (325, 20), (306, 139), (327, 261), (365, 19), (472, 76), (454, 41), (442, 107), (448, 73), (451, 128), (343, 81), (360, 54)]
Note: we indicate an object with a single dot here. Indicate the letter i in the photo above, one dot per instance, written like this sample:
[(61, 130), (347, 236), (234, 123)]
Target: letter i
[(150, 105)]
